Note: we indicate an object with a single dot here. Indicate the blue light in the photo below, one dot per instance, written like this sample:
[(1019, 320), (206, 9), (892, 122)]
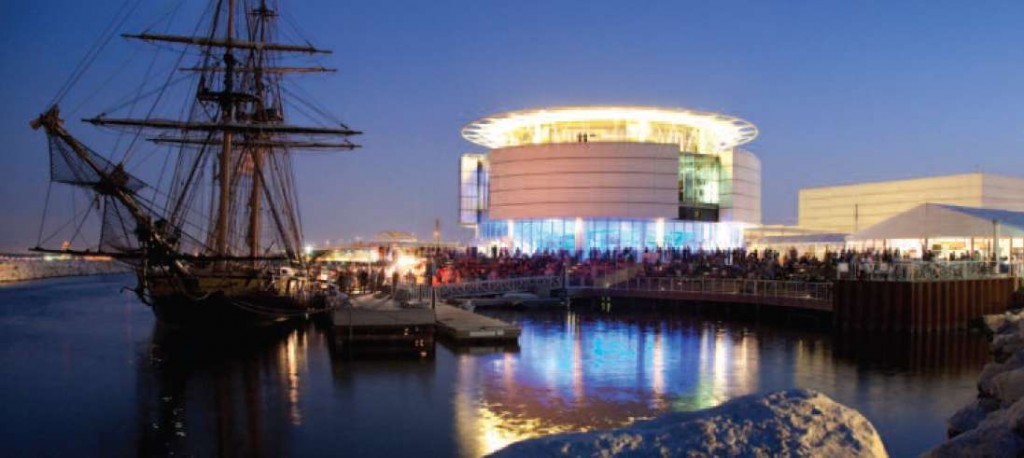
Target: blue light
[(554, 234)]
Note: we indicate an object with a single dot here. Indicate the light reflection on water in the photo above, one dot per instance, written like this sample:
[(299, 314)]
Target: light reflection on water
[(292, 356), (86, 364), (580, 380)]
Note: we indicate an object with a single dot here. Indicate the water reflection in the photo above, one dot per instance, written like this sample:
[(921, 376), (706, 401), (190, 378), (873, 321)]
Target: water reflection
[(236, 393), (599, 372), (291, 356), (924, 353), (122, 386), (604, 370)]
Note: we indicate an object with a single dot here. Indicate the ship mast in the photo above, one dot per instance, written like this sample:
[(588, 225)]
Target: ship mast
[(227, 106), (256, 193), (242, 131)]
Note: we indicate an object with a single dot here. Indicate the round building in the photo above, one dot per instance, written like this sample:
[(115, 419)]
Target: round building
[(609, 177)]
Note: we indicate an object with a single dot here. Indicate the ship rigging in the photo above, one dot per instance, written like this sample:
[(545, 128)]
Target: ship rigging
[(218, 240)]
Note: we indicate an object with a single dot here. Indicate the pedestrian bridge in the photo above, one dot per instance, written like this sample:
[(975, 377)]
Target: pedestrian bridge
[(792, 294), (538, 284), (815, 296), (926, 297)]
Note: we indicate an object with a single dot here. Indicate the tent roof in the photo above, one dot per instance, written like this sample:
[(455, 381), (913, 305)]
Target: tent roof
[(804, 239), (941, 220)]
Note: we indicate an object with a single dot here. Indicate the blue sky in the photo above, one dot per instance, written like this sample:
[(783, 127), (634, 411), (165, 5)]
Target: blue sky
[(841, 91)]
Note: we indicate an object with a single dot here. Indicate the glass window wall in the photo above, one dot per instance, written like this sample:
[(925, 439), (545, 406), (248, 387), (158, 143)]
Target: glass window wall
[(688, 138), (473, 188), (538, 235)]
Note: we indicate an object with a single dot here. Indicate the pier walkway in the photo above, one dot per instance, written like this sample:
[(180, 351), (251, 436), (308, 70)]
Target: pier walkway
[(902, 296), (816, 296)]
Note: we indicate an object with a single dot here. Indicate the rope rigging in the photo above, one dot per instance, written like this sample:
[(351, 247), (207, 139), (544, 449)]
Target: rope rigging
[(97, 47), (232, 147)]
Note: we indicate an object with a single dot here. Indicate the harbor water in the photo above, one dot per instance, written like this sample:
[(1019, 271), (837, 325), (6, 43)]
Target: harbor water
[(87, 371)]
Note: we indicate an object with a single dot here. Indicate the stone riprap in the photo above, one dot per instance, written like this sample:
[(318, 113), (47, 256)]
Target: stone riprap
[(993, 424), (784, 423), (31, 268)]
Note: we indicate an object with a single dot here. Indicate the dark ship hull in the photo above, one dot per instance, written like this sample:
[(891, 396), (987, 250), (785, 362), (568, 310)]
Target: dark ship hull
[(232, 310), (221, 312)]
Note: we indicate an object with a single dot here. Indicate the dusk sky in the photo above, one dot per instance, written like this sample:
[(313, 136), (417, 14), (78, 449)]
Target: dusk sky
[(841, 91)]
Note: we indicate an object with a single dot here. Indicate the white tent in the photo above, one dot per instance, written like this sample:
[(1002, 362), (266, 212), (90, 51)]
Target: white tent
[(933, 221)]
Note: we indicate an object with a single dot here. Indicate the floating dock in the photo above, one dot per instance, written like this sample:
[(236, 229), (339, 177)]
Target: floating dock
[(465, 327), (380, 326), (398, 332)]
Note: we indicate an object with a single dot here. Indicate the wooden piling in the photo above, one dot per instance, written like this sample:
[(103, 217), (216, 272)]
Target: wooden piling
[(926, 306)]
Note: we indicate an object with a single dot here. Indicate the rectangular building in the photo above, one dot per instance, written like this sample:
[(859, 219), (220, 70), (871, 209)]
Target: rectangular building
[(849, 208)]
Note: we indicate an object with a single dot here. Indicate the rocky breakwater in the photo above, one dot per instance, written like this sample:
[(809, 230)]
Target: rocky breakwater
[(784, 423), (993, 424), (18, 268)]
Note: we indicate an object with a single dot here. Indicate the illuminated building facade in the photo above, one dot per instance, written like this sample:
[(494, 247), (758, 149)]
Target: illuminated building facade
[(608, 177), (854, 207)]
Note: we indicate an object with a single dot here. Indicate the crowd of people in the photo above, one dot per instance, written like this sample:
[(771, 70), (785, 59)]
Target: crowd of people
[(449, 266), (453, 266)]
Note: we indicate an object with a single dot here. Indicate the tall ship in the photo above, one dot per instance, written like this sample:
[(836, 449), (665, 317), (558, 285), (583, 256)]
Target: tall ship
[(217, 241)]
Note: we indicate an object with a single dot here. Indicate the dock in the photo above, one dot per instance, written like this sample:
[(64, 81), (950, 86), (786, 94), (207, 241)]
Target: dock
[(465, 327), (376, 326)]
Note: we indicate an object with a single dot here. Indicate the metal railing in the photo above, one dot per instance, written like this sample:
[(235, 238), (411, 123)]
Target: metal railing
[(505, 285), (406, 291), (929, 270), (812, 291)]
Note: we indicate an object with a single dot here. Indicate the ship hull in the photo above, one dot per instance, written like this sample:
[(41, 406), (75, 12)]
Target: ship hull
[(221, 312), (230, 307)]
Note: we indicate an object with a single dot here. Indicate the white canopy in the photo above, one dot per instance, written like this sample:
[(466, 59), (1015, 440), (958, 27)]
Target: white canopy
[(929, 221)]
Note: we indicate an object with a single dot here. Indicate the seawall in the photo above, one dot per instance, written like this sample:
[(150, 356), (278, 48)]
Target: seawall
[(33, 268)]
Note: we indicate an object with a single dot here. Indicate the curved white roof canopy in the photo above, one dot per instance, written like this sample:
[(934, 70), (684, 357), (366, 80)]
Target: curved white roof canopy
[(941, 221), (716, 131)]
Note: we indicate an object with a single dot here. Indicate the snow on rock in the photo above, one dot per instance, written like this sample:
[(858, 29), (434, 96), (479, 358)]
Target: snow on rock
[(993, 425), (790, 423)]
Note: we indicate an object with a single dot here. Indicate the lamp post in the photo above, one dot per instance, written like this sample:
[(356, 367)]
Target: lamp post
[(995, 244)]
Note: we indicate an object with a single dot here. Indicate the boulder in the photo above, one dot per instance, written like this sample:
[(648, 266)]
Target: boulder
[(994, 369), (993, 425), (1007, 344), (970, 416), (1008, 387), (993, 323), (1015, 417), (784, 423), (993, 437)]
